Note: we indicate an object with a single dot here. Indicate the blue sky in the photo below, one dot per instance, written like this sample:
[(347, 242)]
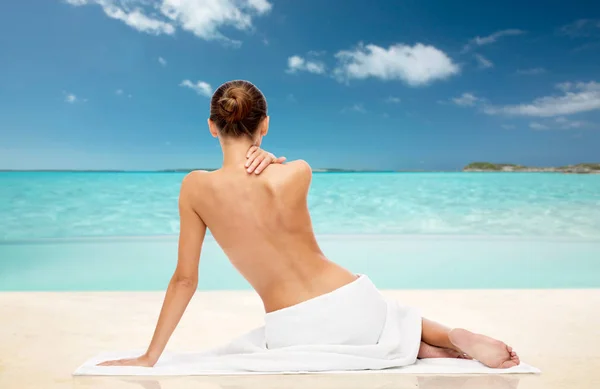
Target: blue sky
[(411, 84)]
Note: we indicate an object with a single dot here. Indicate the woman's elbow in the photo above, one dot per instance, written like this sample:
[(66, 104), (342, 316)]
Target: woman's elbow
[(185, 282)]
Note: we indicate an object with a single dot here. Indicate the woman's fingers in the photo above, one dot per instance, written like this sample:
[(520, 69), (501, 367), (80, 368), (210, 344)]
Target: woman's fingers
[(255, 163), (110, 363), (253, 155), (265, 162), (251, 150), (258, 160)]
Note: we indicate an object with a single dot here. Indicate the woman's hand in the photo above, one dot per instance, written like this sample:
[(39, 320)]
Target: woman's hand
[(143, 361), (258, 159)]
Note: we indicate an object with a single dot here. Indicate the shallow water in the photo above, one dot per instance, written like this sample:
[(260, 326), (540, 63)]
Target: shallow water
[(117, 231), (392, 262), (64, 205)]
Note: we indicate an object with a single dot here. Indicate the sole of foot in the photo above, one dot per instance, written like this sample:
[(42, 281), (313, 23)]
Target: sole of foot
[(491, 352)]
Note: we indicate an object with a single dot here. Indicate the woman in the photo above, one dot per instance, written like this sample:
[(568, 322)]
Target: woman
[(262, 223)]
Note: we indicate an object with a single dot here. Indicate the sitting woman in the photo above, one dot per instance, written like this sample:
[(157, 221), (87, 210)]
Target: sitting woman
[(262, 223)]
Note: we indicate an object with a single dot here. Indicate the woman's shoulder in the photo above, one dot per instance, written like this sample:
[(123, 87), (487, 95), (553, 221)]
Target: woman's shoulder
[(192, 180), (294, 176), (300, 165), (291, 170), (194, 176), (297, 168)]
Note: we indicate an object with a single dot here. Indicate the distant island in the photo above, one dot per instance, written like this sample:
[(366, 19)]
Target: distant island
[(582, 168)]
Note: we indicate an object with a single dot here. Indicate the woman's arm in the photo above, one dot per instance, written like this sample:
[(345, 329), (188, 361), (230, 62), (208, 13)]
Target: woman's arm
[(184, 282)]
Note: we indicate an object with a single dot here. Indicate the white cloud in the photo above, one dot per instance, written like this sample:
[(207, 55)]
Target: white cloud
[(416, 65), (578, 97), (561, 119), (564, 86), (316, 53), (393, 100), (355, 108), (71, 98), (585, 86), (581, 28), (201, 87), (531, 72), (203, 18), (574, 124), (538, 126), (121, 92), (466, 100), (261, 6), (138, 20), (297, 63), (559, 123), (484, 63), (567, 124), (162, 61), (486, 40)]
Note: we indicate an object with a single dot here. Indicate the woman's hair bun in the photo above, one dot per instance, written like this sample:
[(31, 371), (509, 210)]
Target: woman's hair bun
[(237, 108), (235, 104)]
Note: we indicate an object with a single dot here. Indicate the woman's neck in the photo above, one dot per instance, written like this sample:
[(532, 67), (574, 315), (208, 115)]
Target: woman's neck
[(235, 151)]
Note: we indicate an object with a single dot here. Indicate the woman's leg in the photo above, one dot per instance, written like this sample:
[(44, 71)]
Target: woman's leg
[(490, 352), (436, 334), (429, 351), (435, 342)]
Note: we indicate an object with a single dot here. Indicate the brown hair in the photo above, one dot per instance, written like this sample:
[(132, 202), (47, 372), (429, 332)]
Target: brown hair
[(237, 108)]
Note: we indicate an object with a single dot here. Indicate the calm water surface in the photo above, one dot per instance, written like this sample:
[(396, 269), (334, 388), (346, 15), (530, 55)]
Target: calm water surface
[(62, 205), (117, 231)]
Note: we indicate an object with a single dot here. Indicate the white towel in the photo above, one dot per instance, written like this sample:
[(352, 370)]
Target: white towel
[(352, 329)]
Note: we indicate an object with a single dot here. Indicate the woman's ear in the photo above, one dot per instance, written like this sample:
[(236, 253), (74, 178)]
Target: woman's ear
[(264, 126), (212, 127)]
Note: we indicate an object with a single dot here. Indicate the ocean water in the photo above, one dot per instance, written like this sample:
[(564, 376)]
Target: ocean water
[(66, 205), (391, 261), (118, 231)]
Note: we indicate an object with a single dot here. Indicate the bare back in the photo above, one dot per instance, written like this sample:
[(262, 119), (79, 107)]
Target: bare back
[(263, 225)]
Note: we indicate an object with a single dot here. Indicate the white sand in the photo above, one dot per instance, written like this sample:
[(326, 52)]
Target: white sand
[(45, 336)]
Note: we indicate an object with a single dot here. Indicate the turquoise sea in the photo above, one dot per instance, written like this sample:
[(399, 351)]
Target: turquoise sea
[(117, 231)]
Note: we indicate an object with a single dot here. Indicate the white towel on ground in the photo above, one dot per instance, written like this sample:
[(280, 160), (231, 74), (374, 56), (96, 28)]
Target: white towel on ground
[(353, 329)]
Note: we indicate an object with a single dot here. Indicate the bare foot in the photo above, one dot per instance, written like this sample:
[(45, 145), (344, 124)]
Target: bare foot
[(429, 351), (491, 352)]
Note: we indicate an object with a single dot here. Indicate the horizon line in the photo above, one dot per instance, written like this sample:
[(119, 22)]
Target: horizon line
[(315, 170)]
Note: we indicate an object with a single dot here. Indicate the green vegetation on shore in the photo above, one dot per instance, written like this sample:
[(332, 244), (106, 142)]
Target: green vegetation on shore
[(492, 166), (582, 168)]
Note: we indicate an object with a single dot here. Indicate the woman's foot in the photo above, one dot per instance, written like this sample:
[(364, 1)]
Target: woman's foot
[(429, 351), (491, 352)]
